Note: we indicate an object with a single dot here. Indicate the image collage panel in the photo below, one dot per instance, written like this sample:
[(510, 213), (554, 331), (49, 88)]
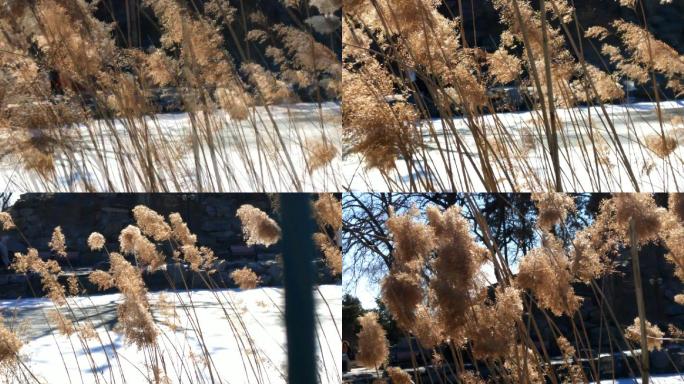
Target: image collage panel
[(341, 191), (512, 288), (169, 288)]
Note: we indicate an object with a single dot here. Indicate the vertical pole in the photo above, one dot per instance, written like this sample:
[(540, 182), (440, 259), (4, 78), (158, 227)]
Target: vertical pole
[(298, 255), (553, 135), (132, 22), (634, 250)]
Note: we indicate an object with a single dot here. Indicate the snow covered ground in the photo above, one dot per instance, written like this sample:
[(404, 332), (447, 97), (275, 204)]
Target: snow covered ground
[(256, 315), (248, 155), (633, 123), (655, 379)]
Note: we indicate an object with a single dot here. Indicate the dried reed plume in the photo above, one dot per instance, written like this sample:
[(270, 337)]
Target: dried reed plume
[(489, 330), (58, 242), (151, 223), (70, 76), (650, 54), (662, 146), (328, 211), (102, 280), (6, 220), (426, 327), (642, 210), (653, 333), (553, 208), (574, 371), (398, 376), (402, 289), (402, 292), (61, 322), (331, 252), (134, 318), (257, 227), (372, 342), (48, 270), (181, 232), (127, 238), (587, 259), (132, 241), (546, 272), (201, 258), (245, 278), (96, 241), (408, 111), (468, 377), (321, 154), (10, 344), (673, 239), (675, 203), (413, 240), (458, 260)]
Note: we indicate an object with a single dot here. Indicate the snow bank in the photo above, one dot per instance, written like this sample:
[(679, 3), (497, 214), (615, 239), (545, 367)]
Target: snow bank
[(632, 124), (249, 155), (655, 379), (256, 318)]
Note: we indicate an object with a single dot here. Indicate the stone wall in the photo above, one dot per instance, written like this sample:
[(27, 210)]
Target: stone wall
[(210, 216), (664, 20), (659, 285)]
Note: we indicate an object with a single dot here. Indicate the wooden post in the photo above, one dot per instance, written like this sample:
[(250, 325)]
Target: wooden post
[(298, 255)]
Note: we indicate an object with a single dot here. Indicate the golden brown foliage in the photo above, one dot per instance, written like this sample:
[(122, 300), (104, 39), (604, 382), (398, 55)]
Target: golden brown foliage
[(257, 227), (491, 329), (181, 232), (412, 239), (372, 342), (135, 319), (574, 371), (402, 292), (201, 258), (9, 344), (458, 261), (426, 327), (398, 376), (6, 220), (504, 67), (642, 210), (675, 203), (151, 223), (553, 208), (331, 251), (48, 270), (328, 211), (321, 153), (58, 242), (653, 333), (96, 241), (101, 279), (651, 54), (63, 324), (245, 278), (662, 146), (546, 272), (132, 241)]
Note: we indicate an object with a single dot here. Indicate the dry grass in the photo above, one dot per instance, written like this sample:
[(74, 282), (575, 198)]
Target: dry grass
[(245, 278), (422, 110), (257, 227), (79, 111), (436, 289), (143, 249)]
